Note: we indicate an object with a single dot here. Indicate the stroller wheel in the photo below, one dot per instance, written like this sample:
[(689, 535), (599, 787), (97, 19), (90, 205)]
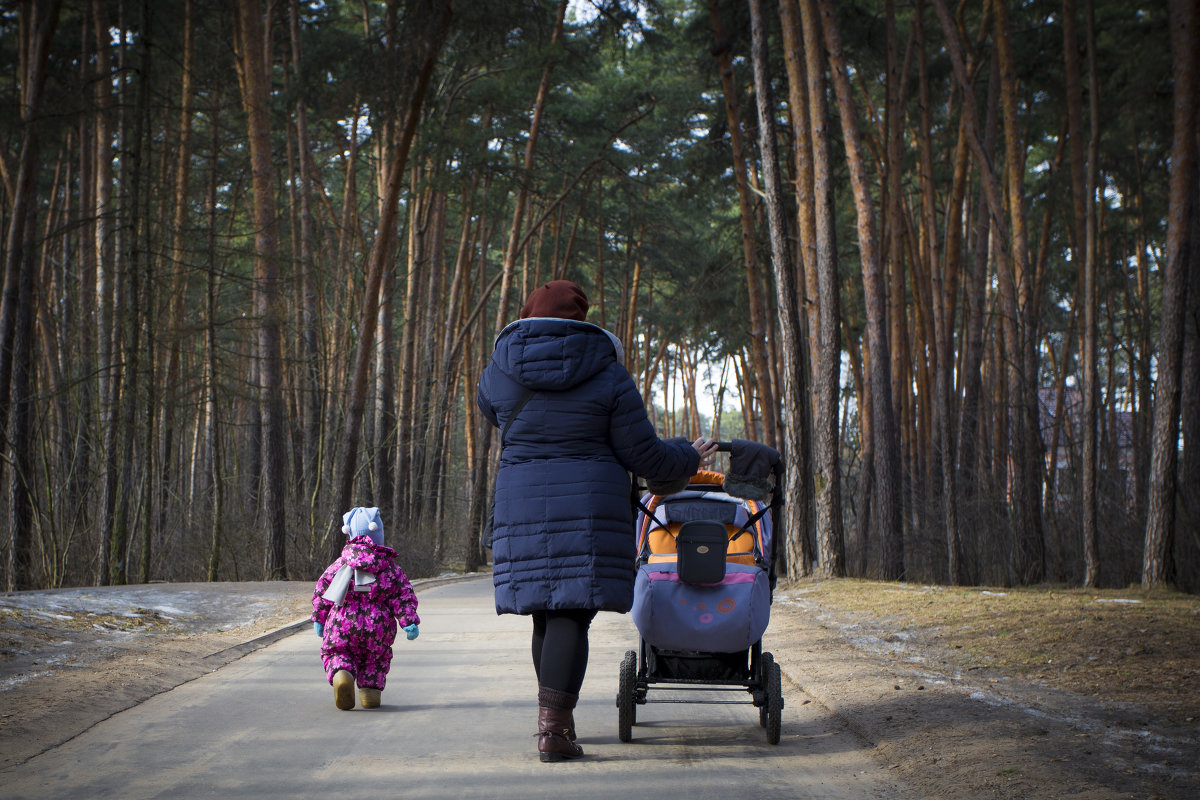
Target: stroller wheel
[(626, 709), (765, 664), (774, 681)]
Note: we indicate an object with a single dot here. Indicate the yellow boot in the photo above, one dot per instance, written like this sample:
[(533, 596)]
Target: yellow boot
[(368, 697), (343, 690)]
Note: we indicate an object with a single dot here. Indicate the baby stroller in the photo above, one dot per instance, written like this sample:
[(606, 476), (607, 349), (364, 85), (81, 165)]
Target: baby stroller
[(702, 597)]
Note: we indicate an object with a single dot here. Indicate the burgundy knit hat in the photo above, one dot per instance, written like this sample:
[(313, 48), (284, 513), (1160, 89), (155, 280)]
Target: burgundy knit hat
[(562, 299)]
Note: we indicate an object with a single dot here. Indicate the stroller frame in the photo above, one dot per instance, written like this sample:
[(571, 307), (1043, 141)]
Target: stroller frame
[(754, 670), (764, 682)]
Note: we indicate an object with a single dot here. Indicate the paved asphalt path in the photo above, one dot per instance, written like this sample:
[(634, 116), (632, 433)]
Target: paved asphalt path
[(457, 721)]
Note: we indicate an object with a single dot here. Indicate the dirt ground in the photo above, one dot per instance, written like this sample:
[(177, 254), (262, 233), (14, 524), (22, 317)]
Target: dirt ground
[(1004, 693), (965, 693)]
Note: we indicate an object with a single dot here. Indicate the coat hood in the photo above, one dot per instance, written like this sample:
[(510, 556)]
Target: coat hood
[(552, 354), (363, 554)]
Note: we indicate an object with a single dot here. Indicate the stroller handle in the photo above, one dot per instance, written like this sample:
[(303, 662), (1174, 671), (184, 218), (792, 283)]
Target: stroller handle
[(776, 470)]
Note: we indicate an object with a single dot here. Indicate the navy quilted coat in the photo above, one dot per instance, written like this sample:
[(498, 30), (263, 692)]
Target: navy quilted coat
[(562, 535)]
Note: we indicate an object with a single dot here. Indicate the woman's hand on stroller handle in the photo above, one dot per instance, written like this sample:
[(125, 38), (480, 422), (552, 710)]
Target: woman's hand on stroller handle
[(707, 448)]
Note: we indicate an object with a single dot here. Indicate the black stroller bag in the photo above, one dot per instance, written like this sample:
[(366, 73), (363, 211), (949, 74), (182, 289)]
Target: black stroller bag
[(702, 546)]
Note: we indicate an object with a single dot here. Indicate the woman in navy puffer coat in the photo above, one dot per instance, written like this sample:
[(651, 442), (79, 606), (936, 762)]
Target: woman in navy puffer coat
[(573, 426)]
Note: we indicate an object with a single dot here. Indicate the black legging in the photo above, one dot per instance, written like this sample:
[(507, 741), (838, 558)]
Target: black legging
[(560, 648)]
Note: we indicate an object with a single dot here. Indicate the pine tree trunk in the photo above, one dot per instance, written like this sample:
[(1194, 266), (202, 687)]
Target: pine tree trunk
[(84, 292), (886, 500), (788, 293), (214, 477), (891, 242), (1186, 553), (171, 432), (975, 290), (133, 299), (310, 415), (37, 24), (1027, 455), (104, 214), (944, 278), (254, 64), (825, 314), (1160, 522), (1141, 369), (1083, 190)]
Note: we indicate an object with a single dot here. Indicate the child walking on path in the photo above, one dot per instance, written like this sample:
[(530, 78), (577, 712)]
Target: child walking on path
[(356, 606)]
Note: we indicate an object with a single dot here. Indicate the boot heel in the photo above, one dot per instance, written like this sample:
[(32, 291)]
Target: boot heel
[(553, 742), (553, 748)]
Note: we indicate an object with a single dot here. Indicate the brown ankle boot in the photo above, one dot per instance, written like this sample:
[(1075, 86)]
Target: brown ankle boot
[(554, 744), (556, 725), (553, 697)]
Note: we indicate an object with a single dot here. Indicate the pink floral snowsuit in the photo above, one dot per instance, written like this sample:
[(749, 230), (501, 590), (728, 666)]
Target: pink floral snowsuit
[(359, 633)]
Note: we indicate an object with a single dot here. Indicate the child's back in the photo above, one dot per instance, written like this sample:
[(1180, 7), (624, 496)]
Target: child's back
[(358, 603)]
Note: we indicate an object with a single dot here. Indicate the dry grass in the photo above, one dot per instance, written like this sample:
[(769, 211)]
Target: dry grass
[(1123, 646)]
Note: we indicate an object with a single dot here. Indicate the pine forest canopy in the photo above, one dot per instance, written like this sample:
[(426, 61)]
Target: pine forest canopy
[(941, 255)]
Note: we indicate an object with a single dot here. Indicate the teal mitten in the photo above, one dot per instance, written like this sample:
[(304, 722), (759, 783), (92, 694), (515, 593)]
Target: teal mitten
[(319, 628), (411, 631)]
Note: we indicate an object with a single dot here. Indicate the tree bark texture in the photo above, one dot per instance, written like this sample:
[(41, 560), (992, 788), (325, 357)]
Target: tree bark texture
[(788, 295), (254, 69), (1160, 522), (886, 500), (1023, 397), (37, 22)]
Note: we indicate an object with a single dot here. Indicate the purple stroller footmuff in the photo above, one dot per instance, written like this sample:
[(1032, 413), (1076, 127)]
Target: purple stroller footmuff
[(722, 617)]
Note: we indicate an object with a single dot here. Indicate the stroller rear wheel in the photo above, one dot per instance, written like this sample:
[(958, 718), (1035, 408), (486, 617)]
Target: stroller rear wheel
[(765, 662), (774, 711), (626, 708)]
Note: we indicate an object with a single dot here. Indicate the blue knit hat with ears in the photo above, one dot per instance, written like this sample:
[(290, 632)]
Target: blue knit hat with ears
[(363, 522)]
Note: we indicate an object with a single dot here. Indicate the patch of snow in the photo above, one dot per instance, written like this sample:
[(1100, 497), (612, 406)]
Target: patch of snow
[(935, 680), (24, 677), (1160, 769), (986, 593), (1119, 600), (1147, 739)]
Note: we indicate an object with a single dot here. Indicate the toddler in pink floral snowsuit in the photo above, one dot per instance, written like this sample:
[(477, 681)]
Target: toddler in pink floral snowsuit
[(356, 605)]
